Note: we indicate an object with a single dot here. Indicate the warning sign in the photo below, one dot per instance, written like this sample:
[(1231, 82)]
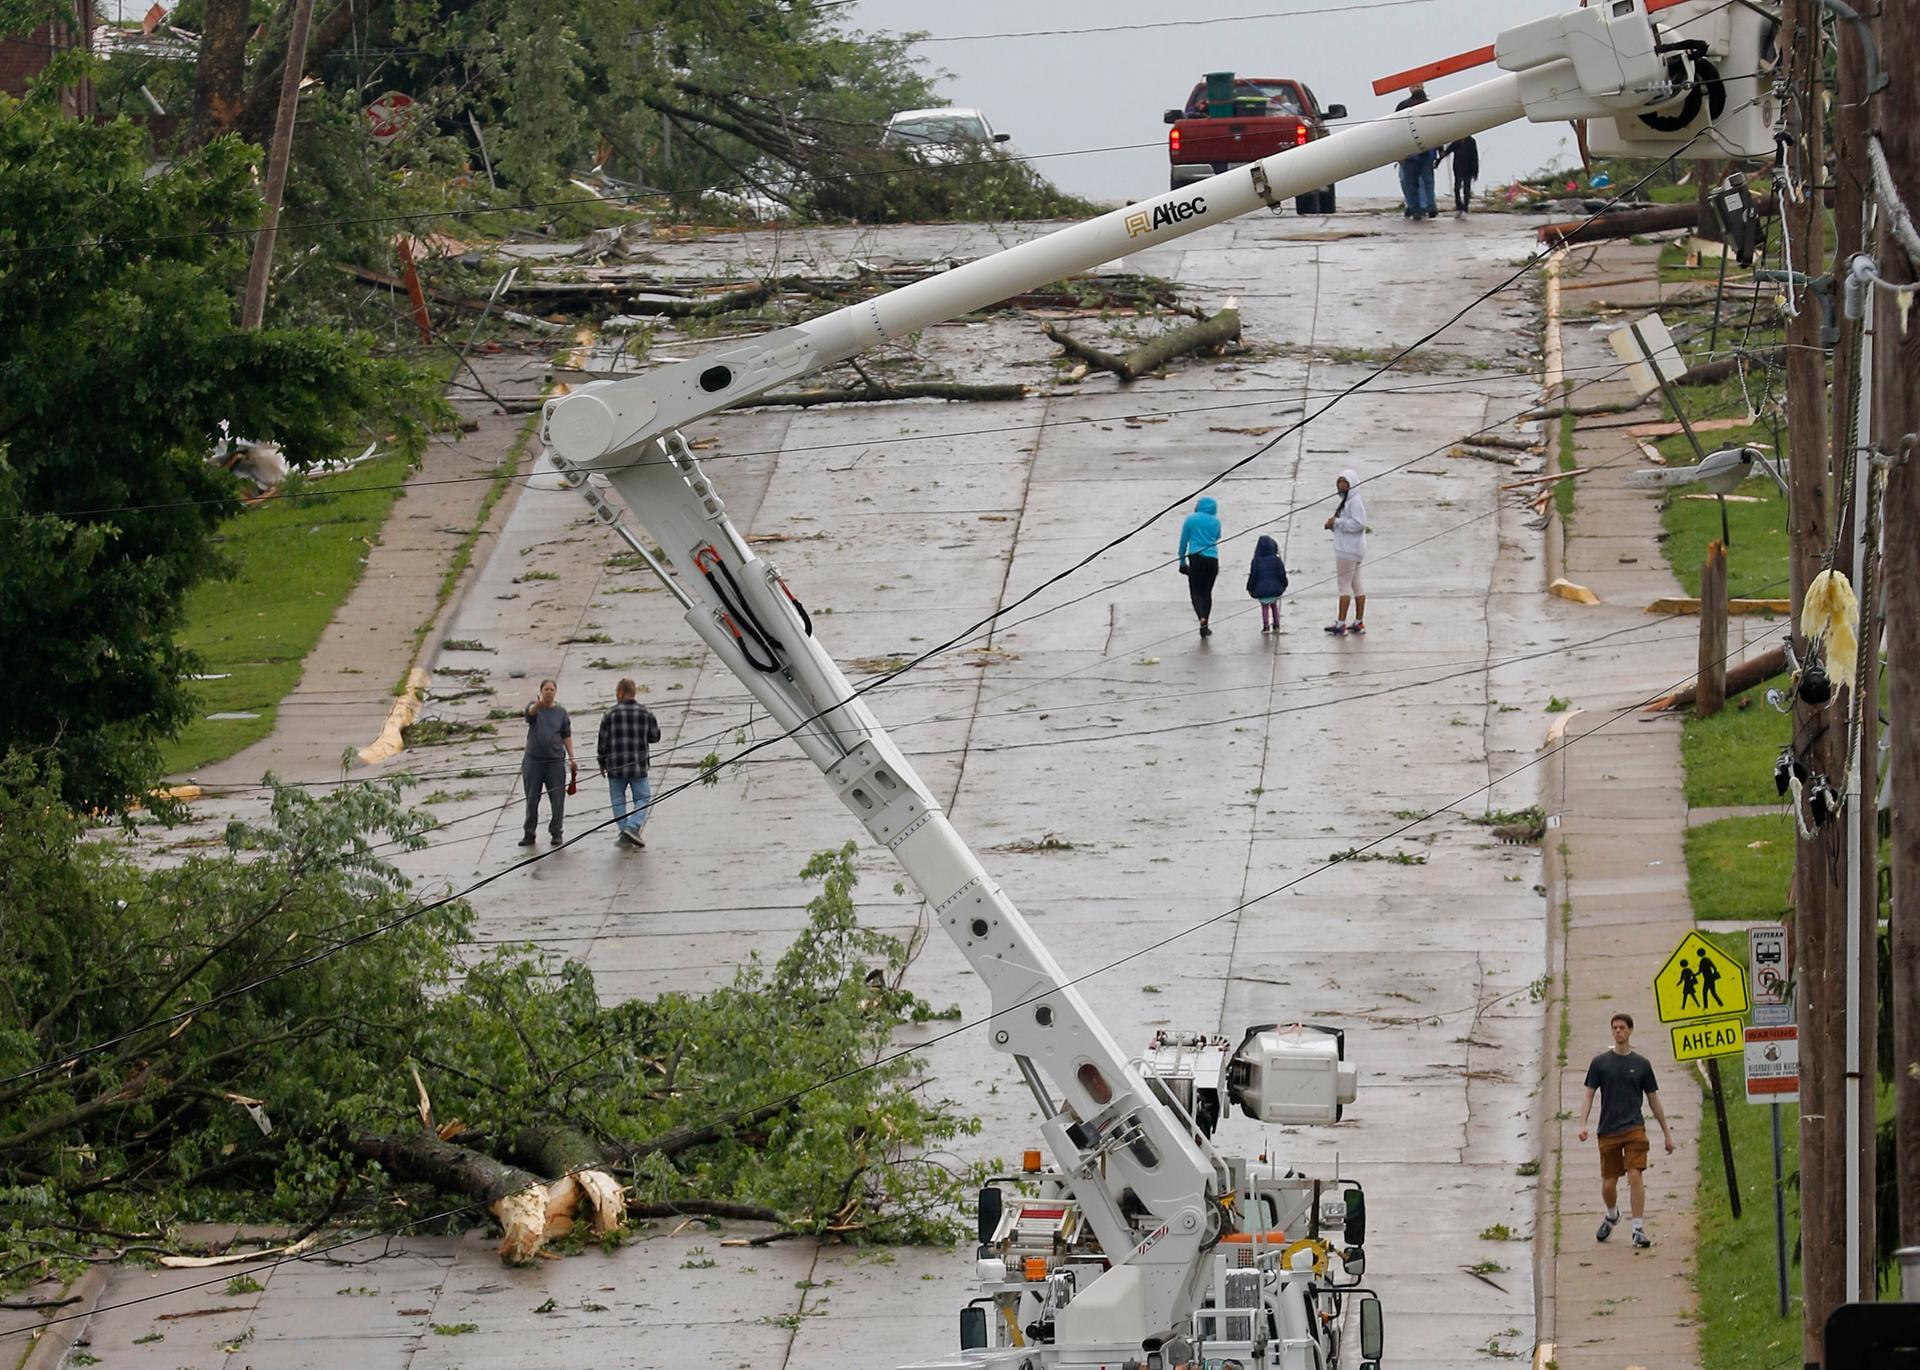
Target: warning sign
[(1767, 953), (1773, 1065), (1699, 981), (1697, 1041)]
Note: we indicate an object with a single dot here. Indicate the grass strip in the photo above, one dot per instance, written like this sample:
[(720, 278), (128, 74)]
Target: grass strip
[(1729, 757), (1563, 489), (1740, 867), (1737, 1275), (294, 560)]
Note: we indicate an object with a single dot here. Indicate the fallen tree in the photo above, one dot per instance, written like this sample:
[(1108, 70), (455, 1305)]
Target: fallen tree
[(1207, 335), (290, 1035), (1706, 373), (1749, 673), (1627, 223)]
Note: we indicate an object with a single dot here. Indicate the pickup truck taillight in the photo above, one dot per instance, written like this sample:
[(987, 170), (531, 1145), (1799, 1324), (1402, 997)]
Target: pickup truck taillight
[(1300, 136), (1173, 141)]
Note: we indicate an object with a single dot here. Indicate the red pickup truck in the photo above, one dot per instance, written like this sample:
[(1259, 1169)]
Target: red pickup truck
[(1269, 115)]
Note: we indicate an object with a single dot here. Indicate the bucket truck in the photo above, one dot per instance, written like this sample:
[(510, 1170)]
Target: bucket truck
[(1141, 1245)]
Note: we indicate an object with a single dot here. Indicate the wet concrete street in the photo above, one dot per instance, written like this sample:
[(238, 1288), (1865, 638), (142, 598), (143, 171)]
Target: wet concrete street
[(1196, 788)]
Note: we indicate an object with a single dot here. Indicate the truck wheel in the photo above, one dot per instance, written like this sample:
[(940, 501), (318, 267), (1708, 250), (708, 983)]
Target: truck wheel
[(1305, 205), (1326, 200)]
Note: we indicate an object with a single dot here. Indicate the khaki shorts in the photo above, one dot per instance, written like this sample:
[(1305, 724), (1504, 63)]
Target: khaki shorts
[(1347, 574), (1623, 1151)]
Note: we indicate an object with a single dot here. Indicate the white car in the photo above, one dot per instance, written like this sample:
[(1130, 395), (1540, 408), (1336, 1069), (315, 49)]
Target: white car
[(939, 135)]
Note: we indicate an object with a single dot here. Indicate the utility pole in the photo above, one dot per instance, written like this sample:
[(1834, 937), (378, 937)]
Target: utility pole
[(1896, 396), (1821, 914), (1851, 390), (253, 306)]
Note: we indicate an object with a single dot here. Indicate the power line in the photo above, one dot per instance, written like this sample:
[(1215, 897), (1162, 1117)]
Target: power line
[(1279, 16), (410, 915), (950, 1033), (648, 193), (329, 491)]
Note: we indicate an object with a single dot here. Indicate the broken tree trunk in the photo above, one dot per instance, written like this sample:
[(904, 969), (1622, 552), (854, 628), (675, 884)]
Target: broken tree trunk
[(1507, 440), (573, 1157), (1629, 222), (1582, 411), (1708, 372), (516, 1198), (1749, 673), (875, 394), (1222, 328)]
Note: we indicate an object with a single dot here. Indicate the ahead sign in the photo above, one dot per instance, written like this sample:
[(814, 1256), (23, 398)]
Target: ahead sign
[(1699, 981), (1715, 1037)]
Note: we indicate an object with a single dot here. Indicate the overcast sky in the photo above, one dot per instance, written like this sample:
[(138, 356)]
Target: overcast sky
[(1070, 92)]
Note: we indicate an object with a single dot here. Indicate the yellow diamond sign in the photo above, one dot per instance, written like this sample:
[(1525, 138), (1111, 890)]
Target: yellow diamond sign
[(1699, 981)]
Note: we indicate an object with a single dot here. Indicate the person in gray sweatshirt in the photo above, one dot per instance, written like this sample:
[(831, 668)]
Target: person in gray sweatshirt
[(548, 762), (1349, 528)]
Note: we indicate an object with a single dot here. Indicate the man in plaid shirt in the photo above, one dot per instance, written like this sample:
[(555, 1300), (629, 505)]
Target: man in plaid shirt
[(626, 731)]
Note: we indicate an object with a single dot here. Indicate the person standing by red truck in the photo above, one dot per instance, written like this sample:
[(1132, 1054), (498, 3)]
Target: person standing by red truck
[(1416, 172)]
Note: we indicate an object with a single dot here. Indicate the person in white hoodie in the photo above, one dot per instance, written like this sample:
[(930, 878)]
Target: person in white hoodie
[(1349, 528)]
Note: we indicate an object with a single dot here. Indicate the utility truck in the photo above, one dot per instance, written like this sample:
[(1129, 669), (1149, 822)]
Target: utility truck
[(1141, 1244)]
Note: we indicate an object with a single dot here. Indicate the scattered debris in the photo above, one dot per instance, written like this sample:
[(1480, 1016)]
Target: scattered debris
[(1566, 589), (1559, 729), (1686, 604), (1206, 336)]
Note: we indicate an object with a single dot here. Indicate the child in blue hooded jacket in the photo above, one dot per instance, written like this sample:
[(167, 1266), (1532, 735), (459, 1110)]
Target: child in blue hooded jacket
[(1200, 558), (1267, 581)]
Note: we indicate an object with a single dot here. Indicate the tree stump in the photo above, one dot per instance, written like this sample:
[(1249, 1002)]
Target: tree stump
[(1711, 691)]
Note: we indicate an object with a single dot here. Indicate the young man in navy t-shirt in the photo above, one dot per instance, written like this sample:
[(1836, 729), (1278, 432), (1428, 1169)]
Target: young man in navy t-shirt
[(1622, 1077)]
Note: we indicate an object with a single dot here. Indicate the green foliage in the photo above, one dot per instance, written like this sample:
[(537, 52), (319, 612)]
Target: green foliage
[(119, 363), (332, 984)]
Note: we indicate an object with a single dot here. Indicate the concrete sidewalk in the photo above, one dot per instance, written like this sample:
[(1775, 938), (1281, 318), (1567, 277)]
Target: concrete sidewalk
[(346, 684), (1617, 873)]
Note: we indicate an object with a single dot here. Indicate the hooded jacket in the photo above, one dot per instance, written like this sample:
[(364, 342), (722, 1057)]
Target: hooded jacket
[(1200, 534), (1267, 577), (1350, 522)]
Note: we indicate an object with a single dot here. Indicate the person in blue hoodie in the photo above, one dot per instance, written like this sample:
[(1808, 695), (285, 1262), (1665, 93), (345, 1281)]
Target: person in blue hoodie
[(1200, 558), (1267, 581)]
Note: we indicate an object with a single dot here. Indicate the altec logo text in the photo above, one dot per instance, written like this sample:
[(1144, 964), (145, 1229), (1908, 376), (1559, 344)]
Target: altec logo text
[(1165, 216)]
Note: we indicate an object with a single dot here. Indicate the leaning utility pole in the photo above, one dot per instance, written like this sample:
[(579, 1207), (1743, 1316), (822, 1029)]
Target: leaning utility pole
[(1896, 397), (1820, 911), (253, 307), (1851, 391)]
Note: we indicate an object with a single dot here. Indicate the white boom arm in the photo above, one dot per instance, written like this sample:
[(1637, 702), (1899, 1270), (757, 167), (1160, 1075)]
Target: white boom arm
[(1147, 1180)]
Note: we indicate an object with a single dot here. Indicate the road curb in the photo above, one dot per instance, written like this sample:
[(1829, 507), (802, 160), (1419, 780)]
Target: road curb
[(51, 1344)]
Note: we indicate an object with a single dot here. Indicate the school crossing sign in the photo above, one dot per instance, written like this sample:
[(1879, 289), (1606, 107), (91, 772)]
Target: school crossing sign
[(1703, 990)]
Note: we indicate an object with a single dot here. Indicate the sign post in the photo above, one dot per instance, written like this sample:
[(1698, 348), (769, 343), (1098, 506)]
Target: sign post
[(1704, 991), (1773, 1065)]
